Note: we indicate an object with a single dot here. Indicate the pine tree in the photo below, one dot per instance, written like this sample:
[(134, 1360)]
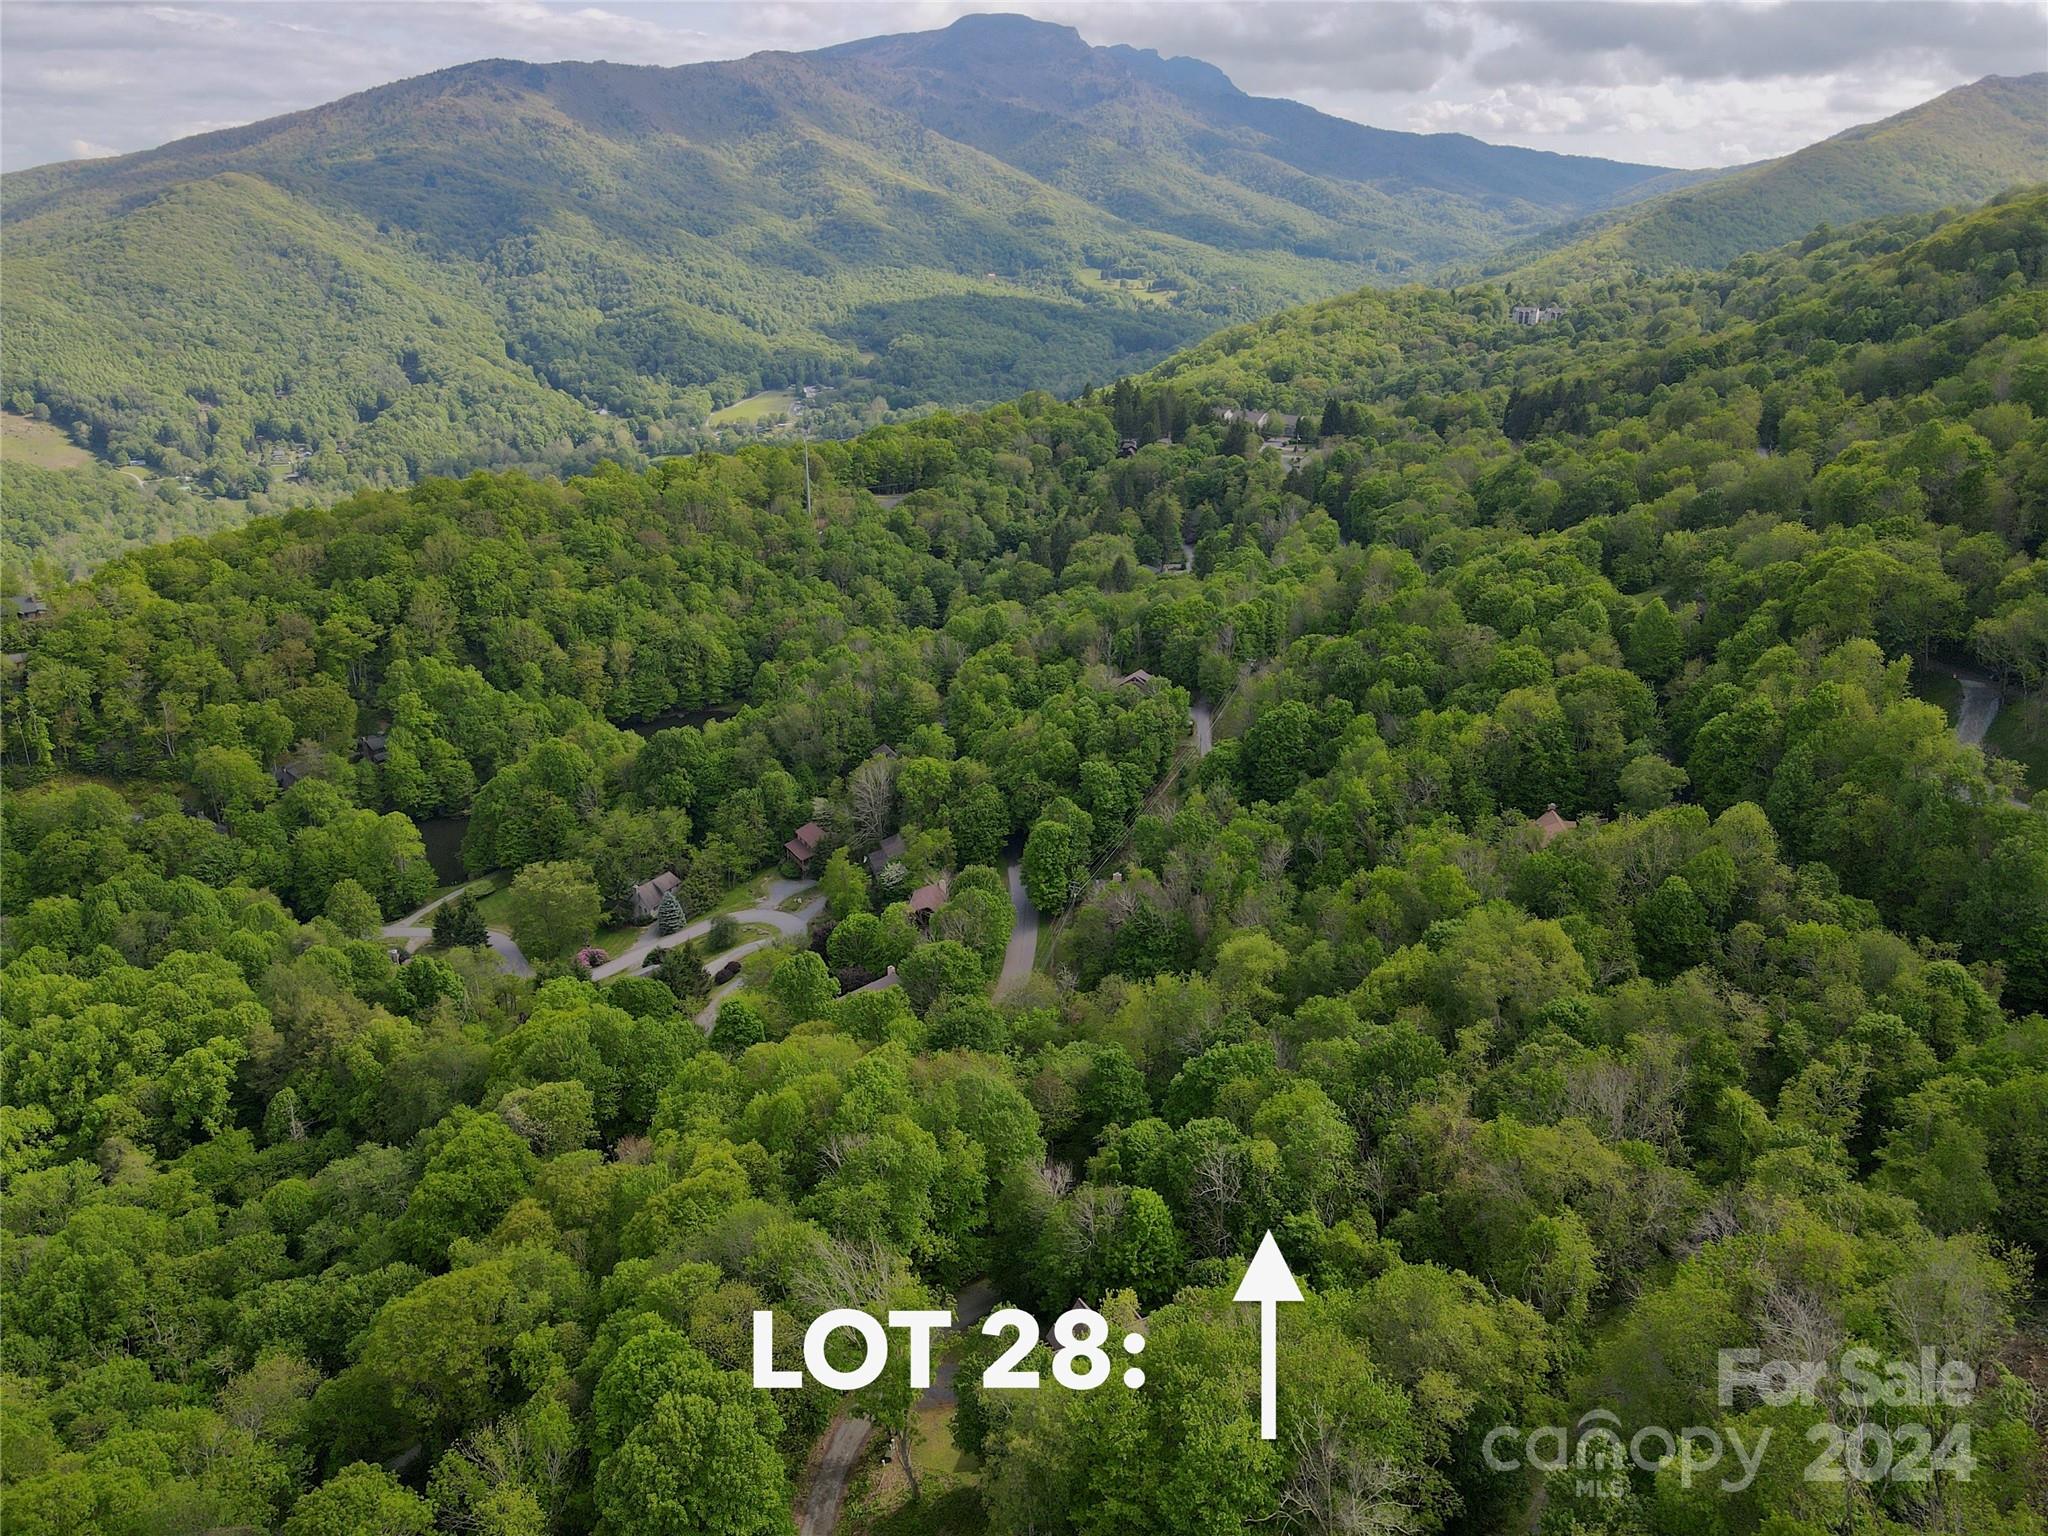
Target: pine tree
[(669, 916), (458, 924)]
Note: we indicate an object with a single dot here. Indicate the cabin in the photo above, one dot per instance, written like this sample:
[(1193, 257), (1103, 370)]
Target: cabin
[(1550, 826), (803, 847), (1141, 680), (885, 751), (287, 774), (1534, 314), (891, 849), (374, 748), (30, 609), (1127, 448), (926, 900), (648, 895)]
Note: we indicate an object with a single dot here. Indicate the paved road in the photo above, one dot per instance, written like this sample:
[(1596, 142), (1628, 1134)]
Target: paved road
[(840, 1453), (414, 928), (1205, 727), (1979, 707), (837, 1458), (1975, 712), (1023, 946), (629, 960)]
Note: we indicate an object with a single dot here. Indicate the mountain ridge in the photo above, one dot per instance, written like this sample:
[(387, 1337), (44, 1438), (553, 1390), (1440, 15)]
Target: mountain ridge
[(650, 244), (1914, 161)]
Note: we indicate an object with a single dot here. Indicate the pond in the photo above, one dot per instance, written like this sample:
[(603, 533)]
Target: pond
[(443, 836)]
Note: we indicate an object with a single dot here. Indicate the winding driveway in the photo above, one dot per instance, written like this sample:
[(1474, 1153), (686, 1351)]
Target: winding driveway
[(1977, 709), (840, 1451), (651, 941), (413, 928)]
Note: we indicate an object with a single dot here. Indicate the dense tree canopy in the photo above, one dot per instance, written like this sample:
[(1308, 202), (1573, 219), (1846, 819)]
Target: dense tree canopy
[(1743, 1047)]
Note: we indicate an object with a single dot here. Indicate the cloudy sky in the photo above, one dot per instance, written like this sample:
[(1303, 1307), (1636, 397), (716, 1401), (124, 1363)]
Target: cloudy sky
[(1676, 84)]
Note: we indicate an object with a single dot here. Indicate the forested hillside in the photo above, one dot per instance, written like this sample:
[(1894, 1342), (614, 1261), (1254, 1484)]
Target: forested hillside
[(518, 264), (1961, 147), (1742, 1047)]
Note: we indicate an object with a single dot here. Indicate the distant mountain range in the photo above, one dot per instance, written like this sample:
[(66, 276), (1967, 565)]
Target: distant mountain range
[(467, 267), (1962, 147), (510, 263)]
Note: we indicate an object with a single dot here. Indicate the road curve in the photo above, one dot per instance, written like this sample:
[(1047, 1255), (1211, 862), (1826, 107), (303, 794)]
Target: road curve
[(629, 960), (413, 929)]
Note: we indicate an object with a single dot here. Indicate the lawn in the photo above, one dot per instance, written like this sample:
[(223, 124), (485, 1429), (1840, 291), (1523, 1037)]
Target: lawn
[(2021, 732), (879, 1502), (768, 405), (494, 903)]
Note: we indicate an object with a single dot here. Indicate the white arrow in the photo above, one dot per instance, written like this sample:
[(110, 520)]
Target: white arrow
[(1267, 1281)]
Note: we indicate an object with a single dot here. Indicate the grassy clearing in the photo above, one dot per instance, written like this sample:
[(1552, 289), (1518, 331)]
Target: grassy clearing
[(2021, 732), (25, 440), (768, 405), (1094, 280), (879, 1502)]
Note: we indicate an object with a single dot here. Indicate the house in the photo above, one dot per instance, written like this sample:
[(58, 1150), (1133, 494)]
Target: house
[(926, 900), (373, 748), (891, 849), (1127, 448), (1140, 680), (803, 847), (885, 750), (1533, 314), (649, 895), (287, 774), (1550, 826), (30, 608)]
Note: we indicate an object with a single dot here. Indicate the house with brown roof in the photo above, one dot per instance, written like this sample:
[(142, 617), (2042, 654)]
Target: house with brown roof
[(1140, 680), (1550, 826), (892, 848), (926, 900), (803, 847), (649, 894)]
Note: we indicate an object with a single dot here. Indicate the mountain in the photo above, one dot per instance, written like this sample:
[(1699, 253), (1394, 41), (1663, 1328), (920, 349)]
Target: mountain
[(510, 263), (1962, 147)]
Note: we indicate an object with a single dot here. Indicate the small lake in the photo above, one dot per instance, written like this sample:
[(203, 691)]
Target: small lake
[(443, 836)]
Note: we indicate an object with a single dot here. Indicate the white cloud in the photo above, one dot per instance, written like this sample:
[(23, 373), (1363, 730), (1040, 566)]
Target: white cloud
[(1695, 84)]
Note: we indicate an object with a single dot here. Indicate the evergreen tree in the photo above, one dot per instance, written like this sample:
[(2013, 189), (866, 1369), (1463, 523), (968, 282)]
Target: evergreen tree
[(459, 925), (669, 917)]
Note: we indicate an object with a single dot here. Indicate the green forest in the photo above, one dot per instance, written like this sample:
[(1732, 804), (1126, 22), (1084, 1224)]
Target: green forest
[(510, 265), (1500, 833)]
